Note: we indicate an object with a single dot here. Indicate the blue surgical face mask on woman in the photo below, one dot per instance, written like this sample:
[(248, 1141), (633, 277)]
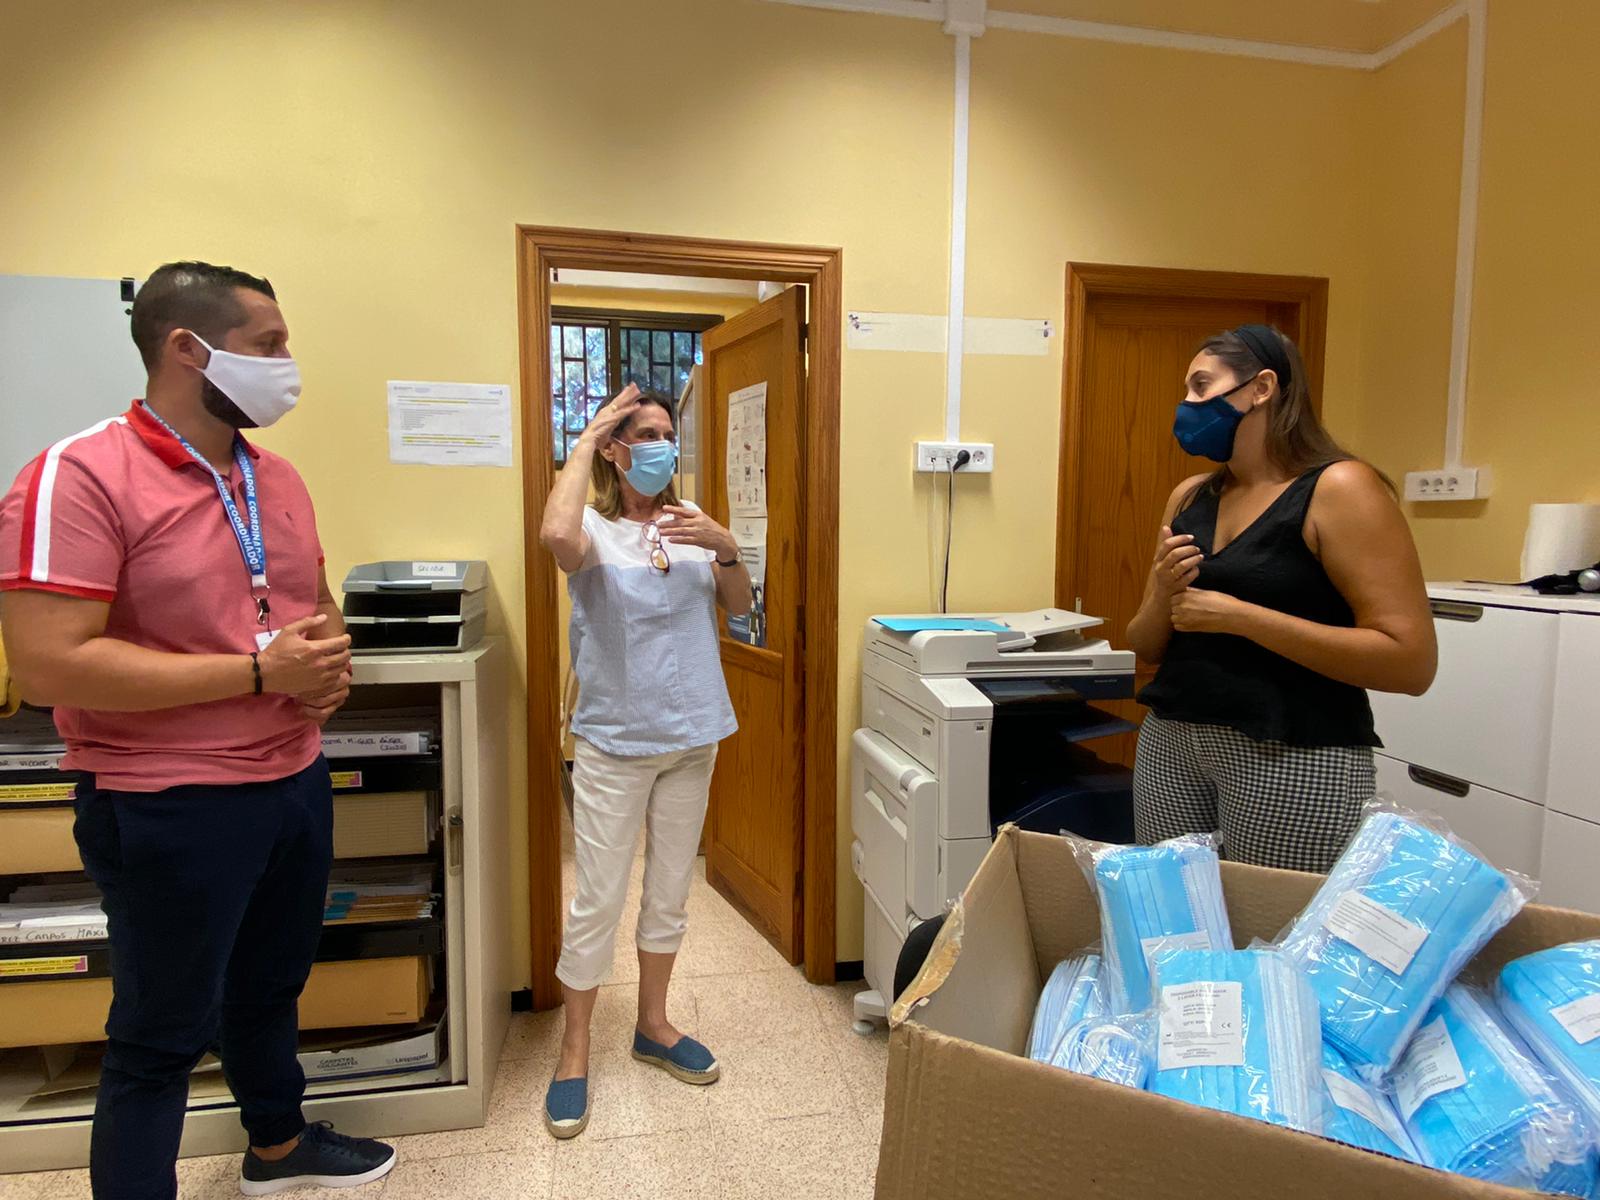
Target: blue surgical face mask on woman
[(654, 464), (1207, 427)]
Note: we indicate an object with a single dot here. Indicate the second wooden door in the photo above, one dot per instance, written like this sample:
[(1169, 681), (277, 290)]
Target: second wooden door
[(754, 830)]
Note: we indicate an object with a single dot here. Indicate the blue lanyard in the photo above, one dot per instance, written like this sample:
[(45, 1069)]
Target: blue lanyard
[(251, 544)]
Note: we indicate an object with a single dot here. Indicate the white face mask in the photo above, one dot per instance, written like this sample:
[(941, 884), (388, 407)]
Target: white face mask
[(263, 389)]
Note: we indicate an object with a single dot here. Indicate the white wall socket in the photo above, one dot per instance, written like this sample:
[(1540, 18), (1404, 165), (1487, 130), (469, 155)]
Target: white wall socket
[(937, 456), (1447, 483)]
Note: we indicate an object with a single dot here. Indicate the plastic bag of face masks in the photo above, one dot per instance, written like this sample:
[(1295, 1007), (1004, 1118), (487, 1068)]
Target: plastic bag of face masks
[(1402, 911), (1236, 1031), (1476, 1103), (1072, 993), (1359, 1114), (1552, 999), (1117, 1049), (1152, 899)]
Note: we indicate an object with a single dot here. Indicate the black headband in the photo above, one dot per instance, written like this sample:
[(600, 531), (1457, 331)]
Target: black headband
[(1263, 342)]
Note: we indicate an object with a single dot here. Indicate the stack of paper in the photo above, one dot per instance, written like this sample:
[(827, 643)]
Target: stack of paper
[(379, 892)]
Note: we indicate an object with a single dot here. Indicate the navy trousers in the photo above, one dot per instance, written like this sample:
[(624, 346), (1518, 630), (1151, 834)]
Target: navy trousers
[(214, 899)]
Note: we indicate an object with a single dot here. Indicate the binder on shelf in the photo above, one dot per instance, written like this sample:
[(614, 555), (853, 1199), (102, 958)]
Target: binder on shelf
[(389, 775)]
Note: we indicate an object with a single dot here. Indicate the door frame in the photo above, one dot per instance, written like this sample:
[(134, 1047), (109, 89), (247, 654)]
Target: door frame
[(820, 269), (1085, 281)]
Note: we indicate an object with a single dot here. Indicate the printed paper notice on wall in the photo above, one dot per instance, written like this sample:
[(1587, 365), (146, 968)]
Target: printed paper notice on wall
[(747, 451), (450, 424)]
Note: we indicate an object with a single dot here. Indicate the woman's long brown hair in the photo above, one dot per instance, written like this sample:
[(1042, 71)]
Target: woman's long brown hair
[(1296, 439)]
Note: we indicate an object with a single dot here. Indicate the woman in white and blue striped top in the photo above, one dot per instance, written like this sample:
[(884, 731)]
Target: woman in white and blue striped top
[(646, 574)]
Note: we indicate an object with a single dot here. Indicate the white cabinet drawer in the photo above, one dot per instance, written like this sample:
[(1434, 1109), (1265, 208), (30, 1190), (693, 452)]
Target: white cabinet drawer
[(1487, 717), (1508, 831), (1571, 863), (1574, 786)]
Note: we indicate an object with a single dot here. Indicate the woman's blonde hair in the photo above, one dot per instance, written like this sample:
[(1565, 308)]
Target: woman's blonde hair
[(604, 474)]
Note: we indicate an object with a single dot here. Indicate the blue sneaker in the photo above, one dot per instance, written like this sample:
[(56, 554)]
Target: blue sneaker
[(687, 1060), (566, 1107), (322, 1159)]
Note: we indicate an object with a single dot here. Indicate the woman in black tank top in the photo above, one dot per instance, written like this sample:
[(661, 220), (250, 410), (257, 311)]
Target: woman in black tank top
[(1285, 585)]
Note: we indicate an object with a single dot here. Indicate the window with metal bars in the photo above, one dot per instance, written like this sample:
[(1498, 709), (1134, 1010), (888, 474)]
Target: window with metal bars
[(594, 354)]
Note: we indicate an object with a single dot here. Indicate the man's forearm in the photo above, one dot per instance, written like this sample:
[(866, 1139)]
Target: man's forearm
[(115, 676)]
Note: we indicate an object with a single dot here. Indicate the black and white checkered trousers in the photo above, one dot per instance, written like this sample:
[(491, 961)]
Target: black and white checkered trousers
[(1273, 804)]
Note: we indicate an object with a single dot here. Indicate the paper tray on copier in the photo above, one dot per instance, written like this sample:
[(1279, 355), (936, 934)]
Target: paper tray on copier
[(416, 607)]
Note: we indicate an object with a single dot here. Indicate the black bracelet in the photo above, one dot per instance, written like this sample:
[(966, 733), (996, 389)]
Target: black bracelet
[(255, 666), (732, 562)]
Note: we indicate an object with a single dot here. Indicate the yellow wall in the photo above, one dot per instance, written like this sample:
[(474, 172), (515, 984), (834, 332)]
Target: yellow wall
[(373, 158), (1532, 411)]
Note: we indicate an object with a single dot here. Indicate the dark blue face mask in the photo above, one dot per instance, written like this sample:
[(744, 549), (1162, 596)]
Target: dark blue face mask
[(1207, 427)]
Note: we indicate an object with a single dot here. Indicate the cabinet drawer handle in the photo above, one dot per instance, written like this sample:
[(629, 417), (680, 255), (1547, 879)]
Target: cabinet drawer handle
[(1454, 610), (1438, 782)]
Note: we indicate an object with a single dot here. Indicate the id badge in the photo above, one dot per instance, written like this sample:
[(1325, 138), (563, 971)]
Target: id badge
[(264, 639)]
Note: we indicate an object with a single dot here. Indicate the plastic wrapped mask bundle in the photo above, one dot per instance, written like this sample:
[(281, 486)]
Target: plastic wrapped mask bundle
[(1071, 994), (1116, 1049), (1237, 1032), (1153, 899), (1358, 1114), (1476, 1103), (1396, 919), (1552, 999)]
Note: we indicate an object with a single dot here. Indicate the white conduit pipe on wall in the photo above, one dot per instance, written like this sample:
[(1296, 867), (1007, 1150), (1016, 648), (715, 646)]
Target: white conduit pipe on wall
[(1466, 234), (955, 343)]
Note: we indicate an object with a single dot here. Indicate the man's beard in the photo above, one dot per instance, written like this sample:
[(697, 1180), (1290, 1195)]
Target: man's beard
[(220, 407)]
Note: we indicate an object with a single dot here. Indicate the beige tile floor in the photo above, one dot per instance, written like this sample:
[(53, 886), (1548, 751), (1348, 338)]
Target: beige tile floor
[(797, 1112)]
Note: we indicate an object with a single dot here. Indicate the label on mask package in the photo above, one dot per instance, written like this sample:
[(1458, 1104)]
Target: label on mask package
[(1350, 1095), (1154, 947), (1580, 1018), (1385, 937), (1430, 1066), (1202, 1025)]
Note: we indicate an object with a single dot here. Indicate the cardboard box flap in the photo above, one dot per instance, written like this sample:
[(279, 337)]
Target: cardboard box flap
[(963, 1120), (992, 997)]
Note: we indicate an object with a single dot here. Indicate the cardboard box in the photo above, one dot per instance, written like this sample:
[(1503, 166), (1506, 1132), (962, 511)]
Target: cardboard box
[(36, 840), (382, 824), (966, 1116), (339, 995)]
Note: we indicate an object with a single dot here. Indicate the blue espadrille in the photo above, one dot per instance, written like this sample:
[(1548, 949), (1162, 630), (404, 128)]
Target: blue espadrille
[(566, 1107), (688, 1060)]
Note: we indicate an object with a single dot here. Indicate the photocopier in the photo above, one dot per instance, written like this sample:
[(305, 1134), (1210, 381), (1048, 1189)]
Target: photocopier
[(969, 723)]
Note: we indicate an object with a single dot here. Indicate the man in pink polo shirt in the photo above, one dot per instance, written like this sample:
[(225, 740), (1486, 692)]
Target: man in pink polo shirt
[(162, 588)]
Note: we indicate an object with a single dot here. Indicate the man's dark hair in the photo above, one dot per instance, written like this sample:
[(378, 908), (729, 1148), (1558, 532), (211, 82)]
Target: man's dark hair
[(189, 295)]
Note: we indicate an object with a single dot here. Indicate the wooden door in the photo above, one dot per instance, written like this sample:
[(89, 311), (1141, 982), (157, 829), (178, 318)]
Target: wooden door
[(1130, 341), (754, 830)]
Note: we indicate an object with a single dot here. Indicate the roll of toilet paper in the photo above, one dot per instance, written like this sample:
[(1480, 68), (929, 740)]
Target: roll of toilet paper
[(1560, 538)]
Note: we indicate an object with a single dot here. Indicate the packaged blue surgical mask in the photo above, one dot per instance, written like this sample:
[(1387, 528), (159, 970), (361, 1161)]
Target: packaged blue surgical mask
[(1237, 1032), (1402, 911), (1153, 898), (1117, 1049), (1071, 994), (1476, 1103), (1359, 1114), (1552, 999)]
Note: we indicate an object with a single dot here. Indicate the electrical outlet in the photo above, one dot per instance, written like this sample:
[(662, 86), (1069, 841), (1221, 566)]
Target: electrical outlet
[(937, 456), (1447, 483)]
